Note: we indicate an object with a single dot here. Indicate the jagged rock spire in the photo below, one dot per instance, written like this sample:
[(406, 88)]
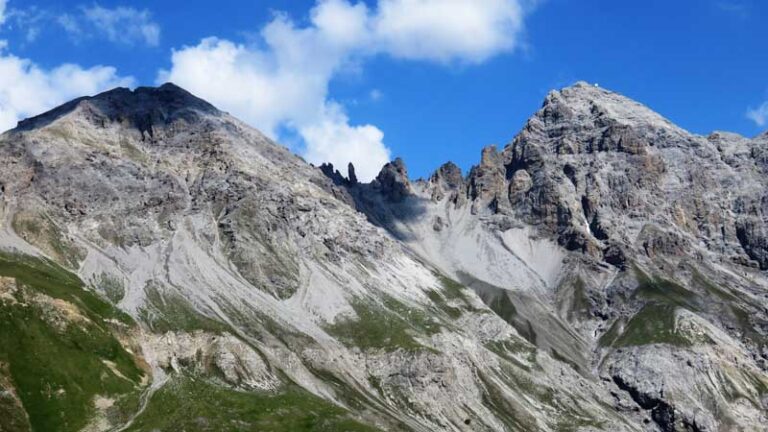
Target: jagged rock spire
[(351, 176), (486, 180), (449, 174), (393, 181), (447, 180), (336, 176)]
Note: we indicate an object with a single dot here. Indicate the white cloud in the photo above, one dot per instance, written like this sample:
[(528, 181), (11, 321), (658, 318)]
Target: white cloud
[(70, 24), (282, 82), (29, 21), (445, 30), (285, 83), (759, 115), (124, 24), (26, 89), (333, 140)]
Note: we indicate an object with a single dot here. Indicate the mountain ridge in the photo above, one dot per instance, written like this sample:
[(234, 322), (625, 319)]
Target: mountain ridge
[(587, 276)]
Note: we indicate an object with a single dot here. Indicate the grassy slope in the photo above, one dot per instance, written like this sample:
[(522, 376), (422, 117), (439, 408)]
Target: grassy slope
[(377, 327), (194, 404), (59, 369), (655, 321)]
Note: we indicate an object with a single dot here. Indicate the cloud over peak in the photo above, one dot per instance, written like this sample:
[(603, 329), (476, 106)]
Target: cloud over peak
[(27, 89), (283, 81)]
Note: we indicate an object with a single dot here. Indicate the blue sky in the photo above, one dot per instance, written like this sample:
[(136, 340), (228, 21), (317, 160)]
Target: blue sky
[(339, 80)]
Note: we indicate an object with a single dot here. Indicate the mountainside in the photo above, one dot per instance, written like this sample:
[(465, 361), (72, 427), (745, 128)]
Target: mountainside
[(166, 267)]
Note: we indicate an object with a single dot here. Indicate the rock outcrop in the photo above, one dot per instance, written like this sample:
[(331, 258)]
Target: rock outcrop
[(623, 223)]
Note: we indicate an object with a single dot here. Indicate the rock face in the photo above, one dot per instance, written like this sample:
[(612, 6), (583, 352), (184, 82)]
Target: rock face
[(612, 225), (605, 270), (392, 182)]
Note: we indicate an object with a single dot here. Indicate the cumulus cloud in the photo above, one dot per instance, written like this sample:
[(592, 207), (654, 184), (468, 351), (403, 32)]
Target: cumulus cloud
[(445, 30), (124, 25), (759, 115), (333, 140), (27, 89), (282, 81), (285, 82)]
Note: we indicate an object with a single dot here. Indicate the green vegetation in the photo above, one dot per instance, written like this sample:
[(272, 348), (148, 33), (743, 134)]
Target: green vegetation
[(503, 306), (389, 328), (49, 278), (442, 304), (41, 231), (193, 404), (522, 381), (507, 348), (132, 152), (418, 319), (111, 287), (58, 367), (13, 418), (451, 299), (664, 291), (655, 323), (171, 312), (452, 290), (513, 417)]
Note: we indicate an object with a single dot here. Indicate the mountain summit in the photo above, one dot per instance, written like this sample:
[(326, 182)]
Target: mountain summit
[(141, 107), (605, 270)]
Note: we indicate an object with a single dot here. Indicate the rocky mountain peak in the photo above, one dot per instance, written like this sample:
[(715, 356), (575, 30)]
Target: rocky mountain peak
[(393, 181), (446, 180), (142, 108), (584, 107), (449, 174)]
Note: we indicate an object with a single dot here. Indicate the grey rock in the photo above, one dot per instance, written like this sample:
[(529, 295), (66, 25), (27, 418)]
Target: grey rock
[(605, 270)]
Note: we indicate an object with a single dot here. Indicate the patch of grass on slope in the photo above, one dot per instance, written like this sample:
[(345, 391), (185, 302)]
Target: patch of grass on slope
[(193, 404), (664, 291), (388, 328), (654, 324), (168, 311), (452, 290), (451, 299), (41, 231), (58, 370), (49, 278)]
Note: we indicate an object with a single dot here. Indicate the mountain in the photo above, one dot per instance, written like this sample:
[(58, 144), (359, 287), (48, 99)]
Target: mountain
[(166, 267)]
